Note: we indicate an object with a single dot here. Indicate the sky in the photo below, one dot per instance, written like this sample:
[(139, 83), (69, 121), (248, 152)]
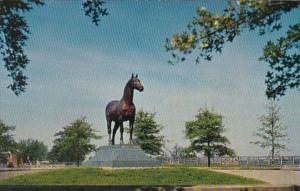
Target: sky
[(76, 68)]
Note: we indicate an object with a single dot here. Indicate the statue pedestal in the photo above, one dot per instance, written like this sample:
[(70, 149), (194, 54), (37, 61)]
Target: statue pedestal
[(121, 156)]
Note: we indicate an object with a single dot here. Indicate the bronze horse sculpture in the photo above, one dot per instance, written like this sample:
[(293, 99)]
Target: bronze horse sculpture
[(123, 110)]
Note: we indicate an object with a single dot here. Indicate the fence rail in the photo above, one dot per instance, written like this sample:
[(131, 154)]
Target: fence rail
[(223, 162), (240, 161), (3, 166)]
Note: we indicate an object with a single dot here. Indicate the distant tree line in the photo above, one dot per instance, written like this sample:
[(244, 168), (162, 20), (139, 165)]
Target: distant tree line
[(27, 150), (205, 133)]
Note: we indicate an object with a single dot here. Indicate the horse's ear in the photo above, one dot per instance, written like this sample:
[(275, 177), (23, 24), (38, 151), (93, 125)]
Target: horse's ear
[(136, 75), (132, 75)]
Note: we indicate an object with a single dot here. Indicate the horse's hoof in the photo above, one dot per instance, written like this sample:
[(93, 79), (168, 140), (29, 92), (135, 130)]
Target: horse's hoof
[(121, 142)]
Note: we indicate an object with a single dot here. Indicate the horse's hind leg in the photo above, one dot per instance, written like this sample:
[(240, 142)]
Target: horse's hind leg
[(109, 131), (131, 122), (114, 132), (121, 132)]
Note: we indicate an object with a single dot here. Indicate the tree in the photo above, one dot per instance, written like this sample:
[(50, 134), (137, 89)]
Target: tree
[(7, 141), (30, 149), (95, 9), (208, 32), (72, 144), (205, 135), (271, 133), (179, 152), (147, 133), (14, 33)]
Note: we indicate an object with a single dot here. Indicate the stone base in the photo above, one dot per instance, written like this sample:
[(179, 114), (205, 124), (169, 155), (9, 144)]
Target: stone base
[(121, 156)]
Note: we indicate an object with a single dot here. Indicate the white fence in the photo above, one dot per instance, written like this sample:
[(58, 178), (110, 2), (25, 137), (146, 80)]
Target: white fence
[(222, 162), (40, 166), (240, 161)]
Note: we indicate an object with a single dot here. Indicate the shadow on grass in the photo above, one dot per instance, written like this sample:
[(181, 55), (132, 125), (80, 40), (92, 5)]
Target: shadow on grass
[(143, 188), (90, 188)]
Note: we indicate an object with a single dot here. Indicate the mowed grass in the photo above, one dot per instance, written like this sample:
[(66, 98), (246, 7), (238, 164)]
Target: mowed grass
[(151, 176)]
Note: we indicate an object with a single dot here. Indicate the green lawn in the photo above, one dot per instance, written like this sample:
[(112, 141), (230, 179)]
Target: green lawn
[(153, 176)]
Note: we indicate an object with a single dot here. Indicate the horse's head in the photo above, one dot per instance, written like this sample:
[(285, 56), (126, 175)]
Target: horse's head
[(136, 83)]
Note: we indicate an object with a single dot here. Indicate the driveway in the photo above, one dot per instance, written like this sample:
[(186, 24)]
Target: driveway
[(274, 177)]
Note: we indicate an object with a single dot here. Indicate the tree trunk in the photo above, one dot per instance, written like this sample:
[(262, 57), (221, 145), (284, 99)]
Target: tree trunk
[(273, 142), (272, 157), (208, 159), (208, 155)]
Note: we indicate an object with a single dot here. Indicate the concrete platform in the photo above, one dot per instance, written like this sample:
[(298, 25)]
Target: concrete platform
[(121, 156)]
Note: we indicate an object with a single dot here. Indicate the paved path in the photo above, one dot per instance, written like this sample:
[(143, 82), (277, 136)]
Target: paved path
[(274, 177)]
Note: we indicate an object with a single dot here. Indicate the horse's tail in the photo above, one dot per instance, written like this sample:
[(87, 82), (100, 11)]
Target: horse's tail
[(107, 111)]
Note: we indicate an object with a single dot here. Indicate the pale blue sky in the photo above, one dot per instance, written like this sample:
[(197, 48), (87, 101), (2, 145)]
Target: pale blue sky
[(77, 68)]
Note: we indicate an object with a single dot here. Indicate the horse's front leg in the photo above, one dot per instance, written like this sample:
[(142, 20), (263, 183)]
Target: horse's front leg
[(109, 132), (131, 122), (114, 132), (121, 131)]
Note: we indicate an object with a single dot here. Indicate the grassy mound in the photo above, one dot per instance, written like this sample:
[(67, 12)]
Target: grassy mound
[(151, 176)]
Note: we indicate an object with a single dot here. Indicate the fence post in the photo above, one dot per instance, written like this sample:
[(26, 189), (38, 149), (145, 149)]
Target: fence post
[(248, 161)]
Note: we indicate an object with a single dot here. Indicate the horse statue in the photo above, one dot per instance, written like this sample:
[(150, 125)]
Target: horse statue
[(123, 110)]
